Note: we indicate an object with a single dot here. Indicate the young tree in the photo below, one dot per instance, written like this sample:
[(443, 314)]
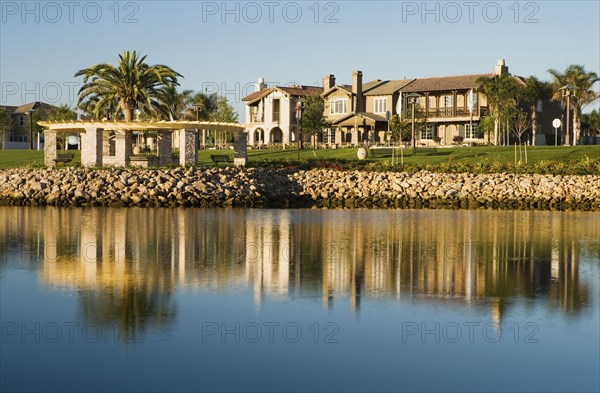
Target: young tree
[(519, 125), (313, 121), (582, 94), (132, 84)]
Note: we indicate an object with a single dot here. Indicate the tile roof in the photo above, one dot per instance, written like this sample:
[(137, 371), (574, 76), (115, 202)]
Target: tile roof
[(443, 83), (388, 87), (258, 94), (301, 90), (291, 90)]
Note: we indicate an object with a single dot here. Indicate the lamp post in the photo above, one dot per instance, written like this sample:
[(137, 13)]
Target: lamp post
[(31, 129), (566, 92), (413, 99), (298, 126)]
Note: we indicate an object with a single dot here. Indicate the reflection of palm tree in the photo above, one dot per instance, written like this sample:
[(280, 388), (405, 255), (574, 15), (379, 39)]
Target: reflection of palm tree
[(134, 308)]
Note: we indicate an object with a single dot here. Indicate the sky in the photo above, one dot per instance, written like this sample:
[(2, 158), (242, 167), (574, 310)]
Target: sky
[(224, 47)]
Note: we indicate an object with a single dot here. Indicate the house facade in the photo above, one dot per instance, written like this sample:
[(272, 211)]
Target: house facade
[(271, 113), (21, 130), (358, 113)]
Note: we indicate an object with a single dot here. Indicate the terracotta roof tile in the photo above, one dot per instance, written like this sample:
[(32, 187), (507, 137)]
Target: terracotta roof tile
[(443, 83)]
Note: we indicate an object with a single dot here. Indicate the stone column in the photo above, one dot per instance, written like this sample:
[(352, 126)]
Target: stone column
[(164, 144), (122, 148), (188, 152), (49, 148), (240, 148), (91, 147)]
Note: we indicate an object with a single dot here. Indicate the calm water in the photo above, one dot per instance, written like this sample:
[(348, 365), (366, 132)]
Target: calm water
[(299, 300)]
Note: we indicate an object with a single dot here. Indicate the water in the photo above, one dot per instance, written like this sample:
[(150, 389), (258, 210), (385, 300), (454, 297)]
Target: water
[(299, 300)]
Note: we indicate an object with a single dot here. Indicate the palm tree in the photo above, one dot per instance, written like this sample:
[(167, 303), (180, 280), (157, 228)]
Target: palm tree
[(533, 91), (501, 92), (582, 94), (177, 105), (132, 84)]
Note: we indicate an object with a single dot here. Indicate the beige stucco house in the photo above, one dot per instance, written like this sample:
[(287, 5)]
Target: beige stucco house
[(271, 113)]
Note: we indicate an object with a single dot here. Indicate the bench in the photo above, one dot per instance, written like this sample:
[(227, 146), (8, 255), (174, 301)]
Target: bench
[(216, 158), (379, 152), (68, 157)]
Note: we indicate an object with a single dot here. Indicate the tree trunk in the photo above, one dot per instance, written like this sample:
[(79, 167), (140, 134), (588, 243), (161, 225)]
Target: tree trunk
[(576, 123), (533, 123), (496, 126), (127, 107)]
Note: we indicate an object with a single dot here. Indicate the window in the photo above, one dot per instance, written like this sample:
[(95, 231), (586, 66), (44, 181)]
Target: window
[(427, 133), (338, 106), (448, 105), (329, 135), (276, 109), (21, 120), (472, 133), (380, 105)]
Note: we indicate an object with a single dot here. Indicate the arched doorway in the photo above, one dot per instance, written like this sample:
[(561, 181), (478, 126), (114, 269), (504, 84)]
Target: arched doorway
[(259, 136), (276, 135)]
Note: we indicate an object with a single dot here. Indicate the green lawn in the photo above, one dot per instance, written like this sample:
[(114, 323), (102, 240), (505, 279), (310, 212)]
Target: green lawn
[(481, 155)]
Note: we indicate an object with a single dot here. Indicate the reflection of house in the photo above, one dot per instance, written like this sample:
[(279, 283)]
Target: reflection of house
[(421, 255), (271, 112), (18, 136)]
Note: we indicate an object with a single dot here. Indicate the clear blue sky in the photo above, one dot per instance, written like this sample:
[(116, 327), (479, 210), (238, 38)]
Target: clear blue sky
[(225, 47)]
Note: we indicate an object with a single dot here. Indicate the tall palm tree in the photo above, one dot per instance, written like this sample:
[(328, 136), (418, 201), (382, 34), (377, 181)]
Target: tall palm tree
[(501, 92), (132, 84), (533, 91), (582, 94), (177, 104)]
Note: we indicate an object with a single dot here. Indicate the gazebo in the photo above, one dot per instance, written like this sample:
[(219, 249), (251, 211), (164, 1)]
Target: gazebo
[(94, 134)]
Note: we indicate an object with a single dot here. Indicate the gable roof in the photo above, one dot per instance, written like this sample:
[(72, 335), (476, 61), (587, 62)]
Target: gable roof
[(388, 87), (348, 88), (458, 82), (299, 90)]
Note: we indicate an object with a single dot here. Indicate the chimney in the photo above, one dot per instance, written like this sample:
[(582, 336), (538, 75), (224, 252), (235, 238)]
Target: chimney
[(328, 81), (357, 90), (258, 86), (501, 68)]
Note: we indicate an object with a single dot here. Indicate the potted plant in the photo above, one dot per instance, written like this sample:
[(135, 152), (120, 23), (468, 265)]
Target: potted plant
[(458, 139), (437, 139)]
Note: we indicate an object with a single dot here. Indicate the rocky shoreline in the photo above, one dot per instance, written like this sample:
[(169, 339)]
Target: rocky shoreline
[(288, 187)]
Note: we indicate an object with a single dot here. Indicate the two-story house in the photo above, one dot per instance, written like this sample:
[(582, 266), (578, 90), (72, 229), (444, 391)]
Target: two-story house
[(21, 134), (271, 113), (345, 108)]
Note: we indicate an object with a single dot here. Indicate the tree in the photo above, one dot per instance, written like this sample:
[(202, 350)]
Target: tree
[(177, 104), (582, 94), (533, 91), (60, 113), (400, 130), (592, 122), (501, 92), (487, 126), (132, 84), (312, 119), (225, 113), (202, 106), (5, 124), (519, 125)]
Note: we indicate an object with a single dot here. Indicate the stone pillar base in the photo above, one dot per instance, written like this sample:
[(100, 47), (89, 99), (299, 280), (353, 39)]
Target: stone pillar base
[(240, 161)]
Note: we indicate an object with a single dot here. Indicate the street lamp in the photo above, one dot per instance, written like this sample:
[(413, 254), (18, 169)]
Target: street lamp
[(31, 129), (298, 126), (413, 100), (566, 92)]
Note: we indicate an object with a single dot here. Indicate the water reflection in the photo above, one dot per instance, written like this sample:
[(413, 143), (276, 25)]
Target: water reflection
[(126, 264)]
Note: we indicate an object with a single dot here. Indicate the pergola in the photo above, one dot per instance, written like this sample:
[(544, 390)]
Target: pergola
[(94, 134)]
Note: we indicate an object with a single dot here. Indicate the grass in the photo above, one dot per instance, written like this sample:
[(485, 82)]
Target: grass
[(541, 159)]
